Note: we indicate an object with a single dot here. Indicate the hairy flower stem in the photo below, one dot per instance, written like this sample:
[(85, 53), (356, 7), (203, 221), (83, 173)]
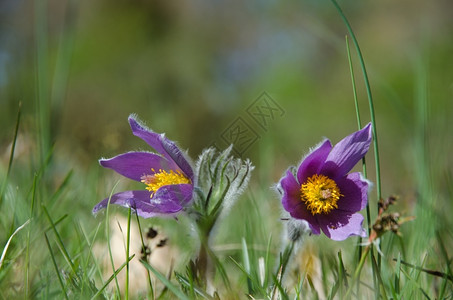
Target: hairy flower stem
[(205, 267), (203, 262)]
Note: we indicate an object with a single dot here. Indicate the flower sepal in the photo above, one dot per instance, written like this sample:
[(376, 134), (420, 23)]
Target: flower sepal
[(221, 180)]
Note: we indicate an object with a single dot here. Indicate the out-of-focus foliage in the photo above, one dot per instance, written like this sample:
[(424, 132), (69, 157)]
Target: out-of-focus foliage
[(193, 69)]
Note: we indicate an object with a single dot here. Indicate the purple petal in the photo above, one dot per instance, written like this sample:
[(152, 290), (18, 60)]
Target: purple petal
[(181, 194), (292, 202), (291, 191), (178, 157), (347, 153), (314, 161), (339, 225), (168, 200), (134, 165), (123, 199), (355, 192), (153, 139), (162, 145)]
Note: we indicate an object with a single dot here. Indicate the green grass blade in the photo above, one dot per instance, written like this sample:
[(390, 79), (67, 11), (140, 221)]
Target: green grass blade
[(251, 280), (342, 279), (175, 290), (373, 121), (191, 287), (128, 243), (370, 97), (354, 89), (61, 187), (267, 260), (113, 276), (415, 283), (56, 268), (246, 262), (398, 274), (11, 156), (5, 249), (90, 249), (359, 126), (151, 289), (379, 277), (107, 229), (42, 78), (60, 242)]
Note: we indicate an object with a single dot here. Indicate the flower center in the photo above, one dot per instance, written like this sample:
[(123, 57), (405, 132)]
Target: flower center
[(320, 194), (161, 178)]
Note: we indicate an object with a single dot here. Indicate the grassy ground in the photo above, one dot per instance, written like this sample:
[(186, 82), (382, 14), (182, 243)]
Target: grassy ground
[(71, 88)]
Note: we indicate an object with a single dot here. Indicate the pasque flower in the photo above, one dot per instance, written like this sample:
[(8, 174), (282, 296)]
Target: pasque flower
[(167, 177), (321, 191)]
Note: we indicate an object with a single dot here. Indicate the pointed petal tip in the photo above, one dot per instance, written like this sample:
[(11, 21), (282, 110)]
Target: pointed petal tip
[(102, 161), (96, 210), (133, 117), (366, 132), (369, 128), (134, 121)]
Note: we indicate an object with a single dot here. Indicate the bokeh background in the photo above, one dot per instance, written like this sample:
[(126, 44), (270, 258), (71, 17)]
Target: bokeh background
[(190, 68)]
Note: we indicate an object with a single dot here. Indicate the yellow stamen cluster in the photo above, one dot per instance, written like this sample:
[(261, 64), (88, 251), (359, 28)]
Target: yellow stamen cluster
[(162, 178), (320, 194)]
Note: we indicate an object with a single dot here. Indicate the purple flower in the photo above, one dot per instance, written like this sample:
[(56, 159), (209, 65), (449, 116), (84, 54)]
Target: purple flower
[(323, 193), (168, 177)]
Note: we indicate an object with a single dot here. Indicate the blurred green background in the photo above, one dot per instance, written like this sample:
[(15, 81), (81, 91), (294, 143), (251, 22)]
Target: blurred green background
[(191, 68)]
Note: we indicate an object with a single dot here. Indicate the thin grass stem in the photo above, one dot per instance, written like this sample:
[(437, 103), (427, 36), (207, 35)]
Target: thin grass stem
[(177, 292), (115, 273), (359, 125), (42, 78), (27, 253), (11, 155), (128, 244), (56, 268), (370, 98), (151, 289), (357, 271), (373, 121), (60, 242), (107, 228), (5, 249)]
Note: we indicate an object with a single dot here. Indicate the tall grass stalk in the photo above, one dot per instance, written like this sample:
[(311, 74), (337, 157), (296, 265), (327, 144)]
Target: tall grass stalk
[(11, 155), (57, 271), (151, 289), (426, 221), (27, 253), (42, 78), (5, 249), (107, 233), (370, 98), (60, 243), (113, 276), (128, 244), (375, 267)]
